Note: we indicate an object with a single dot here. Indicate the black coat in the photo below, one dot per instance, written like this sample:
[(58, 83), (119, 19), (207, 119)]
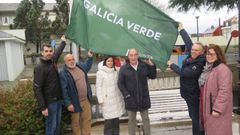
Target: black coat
[(46, 83), (189, 73), (134, 86)]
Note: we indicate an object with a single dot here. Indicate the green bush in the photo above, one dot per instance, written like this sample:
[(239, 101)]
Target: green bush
[(34, 54), (19, 112)]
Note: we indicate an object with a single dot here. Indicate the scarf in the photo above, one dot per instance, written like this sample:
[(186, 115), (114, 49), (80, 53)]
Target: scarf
[(206, 70)]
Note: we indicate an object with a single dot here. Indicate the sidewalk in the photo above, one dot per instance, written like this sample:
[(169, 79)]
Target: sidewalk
[(177, 128), (157, 129)]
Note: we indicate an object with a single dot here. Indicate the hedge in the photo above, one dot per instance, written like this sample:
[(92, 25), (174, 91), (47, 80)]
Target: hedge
[(19, 112)]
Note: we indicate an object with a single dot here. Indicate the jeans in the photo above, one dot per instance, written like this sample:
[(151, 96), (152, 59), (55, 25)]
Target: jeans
[(52, 121), (193, 110), (111, 126), (132, 122)]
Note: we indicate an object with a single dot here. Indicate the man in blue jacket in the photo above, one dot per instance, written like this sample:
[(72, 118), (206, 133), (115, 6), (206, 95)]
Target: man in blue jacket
[(77, 93), (189, 73), (133, 84)]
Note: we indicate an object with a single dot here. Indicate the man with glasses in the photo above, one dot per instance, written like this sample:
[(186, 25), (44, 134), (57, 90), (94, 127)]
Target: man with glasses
[(47, 88), (189, 73)]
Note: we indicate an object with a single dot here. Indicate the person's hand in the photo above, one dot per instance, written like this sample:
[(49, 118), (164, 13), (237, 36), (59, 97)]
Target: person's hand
[(149, 62), (63, 38), (90, 54), (169, 63), (45, 112), (70, 108), (117, 68), (180, 26), (215, 114)]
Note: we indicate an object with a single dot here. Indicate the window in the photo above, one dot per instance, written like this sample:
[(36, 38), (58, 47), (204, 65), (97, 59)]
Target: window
[(7, 20)]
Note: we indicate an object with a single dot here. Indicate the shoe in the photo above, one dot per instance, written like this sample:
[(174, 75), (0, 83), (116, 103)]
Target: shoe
[(237, 111)]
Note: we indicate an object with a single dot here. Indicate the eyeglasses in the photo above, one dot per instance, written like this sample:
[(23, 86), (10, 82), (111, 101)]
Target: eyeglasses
[(196, 50), (211, 54)]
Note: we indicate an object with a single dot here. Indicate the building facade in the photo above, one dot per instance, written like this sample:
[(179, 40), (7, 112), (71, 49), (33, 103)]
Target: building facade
[(11, 56), (8, 13)]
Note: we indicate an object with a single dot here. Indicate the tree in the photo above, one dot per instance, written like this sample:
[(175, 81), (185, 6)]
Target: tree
[(157, 4), (59, 25), (29, 17), (185, 5)]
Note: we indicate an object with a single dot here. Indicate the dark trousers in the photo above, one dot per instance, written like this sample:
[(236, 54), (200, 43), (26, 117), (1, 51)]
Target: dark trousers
[(111, 126), (193, 110)]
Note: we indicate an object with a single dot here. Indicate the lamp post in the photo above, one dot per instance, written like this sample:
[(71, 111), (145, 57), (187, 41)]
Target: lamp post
[(238, 5), (197, 28), (238, 65)]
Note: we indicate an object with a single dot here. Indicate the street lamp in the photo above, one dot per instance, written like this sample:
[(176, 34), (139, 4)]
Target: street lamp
[(197, 28)]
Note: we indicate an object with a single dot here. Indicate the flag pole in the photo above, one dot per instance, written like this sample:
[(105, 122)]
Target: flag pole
[(74, 50)]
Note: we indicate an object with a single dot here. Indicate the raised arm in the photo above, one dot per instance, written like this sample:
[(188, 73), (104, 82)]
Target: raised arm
[(88, 64), (152, 70), (189, 71), (57, 53), (186, 39)]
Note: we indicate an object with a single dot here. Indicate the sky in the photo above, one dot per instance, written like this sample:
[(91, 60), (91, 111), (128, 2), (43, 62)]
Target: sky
[(206, 18), (189, 21)]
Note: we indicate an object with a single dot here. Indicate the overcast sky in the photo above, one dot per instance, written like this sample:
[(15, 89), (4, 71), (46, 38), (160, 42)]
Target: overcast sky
[(206, 18)]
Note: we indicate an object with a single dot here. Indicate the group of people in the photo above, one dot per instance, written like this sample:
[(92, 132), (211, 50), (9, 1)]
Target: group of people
[(205, 84), (70, 85)]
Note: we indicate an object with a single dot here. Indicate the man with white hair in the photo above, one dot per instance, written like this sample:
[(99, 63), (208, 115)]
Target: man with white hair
[(77, 93), (132, 82)]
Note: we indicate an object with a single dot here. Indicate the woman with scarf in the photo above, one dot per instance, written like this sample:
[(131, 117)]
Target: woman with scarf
[(216, 94)]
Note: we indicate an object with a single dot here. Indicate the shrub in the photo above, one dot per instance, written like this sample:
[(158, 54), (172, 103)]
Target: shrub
[(20, 113), (34, 54)]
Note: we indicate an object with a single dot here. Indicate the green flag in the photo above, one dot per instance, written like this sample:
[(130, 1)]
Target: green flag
[(112, 27)]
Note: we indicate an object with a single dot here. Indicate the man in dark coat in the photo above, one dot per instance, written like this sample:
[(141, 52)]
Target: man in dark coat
[(47, 89), (189, 73), (133, 84)]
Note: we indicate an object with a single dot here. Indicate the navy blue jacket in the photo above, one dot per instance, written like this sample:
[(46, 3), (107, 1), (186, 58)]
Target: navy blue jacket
[(69, 89), (189, 73), (134, 86)]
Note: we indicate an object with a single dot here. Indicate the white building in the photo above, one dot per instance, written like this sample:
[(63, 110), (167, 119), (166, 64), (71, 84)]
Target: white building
[(11, 54), (8, 13), (229, 25)]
